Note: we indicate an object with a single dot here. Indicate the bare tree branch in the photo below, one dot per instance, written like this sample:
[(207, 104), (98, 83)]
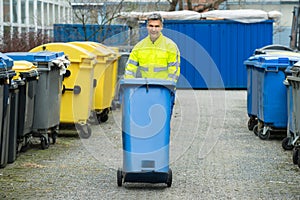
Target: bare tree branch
[(208, 6)]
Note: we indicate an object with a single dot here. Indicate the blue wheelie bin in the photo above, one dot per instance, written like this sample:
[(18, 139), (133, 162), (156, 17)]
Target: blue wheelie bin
[(272, 95), (146, 114), (253, 74), (252, 99)]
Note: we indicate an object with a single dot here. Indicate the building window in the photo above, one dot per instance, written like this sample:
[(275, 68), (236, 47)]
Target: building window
[(23, 12), (46, 15), (31, 12), (15, 11), (6, 11), (39, 13)]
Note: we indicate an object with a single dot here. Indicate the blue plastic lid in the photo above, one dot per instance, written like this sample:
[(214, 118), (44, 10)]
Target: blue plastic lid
[(5, 61), (147, 81), (274, 60), (42, 56)]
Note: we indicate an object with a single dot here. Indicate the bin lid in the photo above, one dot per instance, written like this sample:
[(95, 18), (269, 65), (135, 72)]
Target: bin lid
[(98, 50), (23, 65), (42, 56), (293, 78), (74, 53), (25, 69), (146, 81), (5, 62), (267, 60), (113, 50)]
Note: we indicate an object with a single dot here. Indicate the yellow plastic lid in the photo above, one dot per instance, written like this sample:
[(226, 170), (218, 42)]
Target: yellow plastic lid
[(23, 66)]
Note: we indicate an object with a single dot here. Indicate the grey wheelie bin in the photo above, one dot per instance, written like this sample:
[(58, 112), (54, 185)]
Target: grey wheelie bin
[(146, 115), (51, 67), (14, 102), (6, 75), (294, 112), (26, 78)]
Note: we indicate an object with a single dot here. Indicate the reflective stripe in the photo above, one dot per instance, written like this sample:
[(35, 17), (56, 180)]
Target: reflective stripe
[(143, 68), (173, 64), (159, 69), (133, 62), (127, 72), (173, 76)]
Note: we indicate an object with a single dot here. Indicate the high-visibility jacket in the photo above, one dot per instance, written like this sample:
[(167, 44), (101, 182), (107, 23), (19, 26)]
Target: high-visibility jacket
[(160, 59)]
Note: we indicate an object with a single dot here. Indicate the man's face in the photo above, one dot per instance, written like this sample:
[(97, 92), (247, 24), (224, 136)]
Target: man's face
[(154, 28)]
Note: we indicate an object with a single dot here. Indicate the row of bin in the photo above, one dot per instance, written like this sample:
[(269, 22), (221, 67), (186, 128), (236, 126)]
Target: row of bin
[(273, 99), (51, 85)]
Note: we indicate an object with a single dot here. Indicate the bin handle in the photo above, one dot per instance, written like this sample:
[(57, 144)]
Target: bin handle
[(76, 89), (272, 69)]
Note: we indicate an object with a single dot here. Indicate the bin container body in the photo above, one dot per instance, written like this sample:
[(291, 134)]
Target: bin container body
[(272, 95), (101, 100), (293, 105), (6, 75), (252, 87), (146, 115), (48, 95), (255, 76), (77, 85), (14, 109), (3, 135), (27, 79), (105, 93)]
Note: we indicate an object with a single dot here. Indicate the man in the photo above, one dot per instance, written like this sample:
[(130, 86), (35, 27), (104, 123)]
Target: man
[(156, 56)]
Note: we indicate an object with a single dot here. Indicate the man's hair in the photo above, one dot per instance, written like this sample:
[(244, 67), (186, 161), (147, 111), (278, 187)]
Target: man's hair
[(155, 16)]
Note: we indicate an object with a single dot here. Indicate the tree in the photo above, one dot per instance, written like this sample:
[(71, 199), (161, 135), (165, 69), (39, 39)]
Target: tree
[(102, 14), (201, 6), (23, 42)]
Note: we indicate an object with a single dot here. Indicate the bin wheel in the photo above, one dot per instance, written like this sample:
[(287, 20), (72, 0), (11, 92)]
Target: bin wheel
[(255, 130), (54, 137), (286, 144), (44, 143), (251, 123), (169, 178), (298, 158), (103, 117), (85, 131), (264, 135), (295, 156), (119, 177), (26, 146)]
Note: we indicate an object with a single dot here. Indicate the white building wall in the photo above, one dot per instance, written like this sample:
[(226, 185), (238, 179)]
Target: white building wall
[(37, 19)]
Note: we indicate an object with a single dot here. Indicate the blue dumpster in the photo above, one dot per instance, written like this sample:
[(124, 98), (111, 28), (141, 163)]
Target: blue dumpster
[(146, 114)]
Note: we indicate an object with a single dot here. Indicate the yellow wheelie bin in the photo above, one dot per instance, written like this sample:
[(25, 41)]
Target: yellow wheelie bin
[(101, 100), (77, 88), (111, 75)]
